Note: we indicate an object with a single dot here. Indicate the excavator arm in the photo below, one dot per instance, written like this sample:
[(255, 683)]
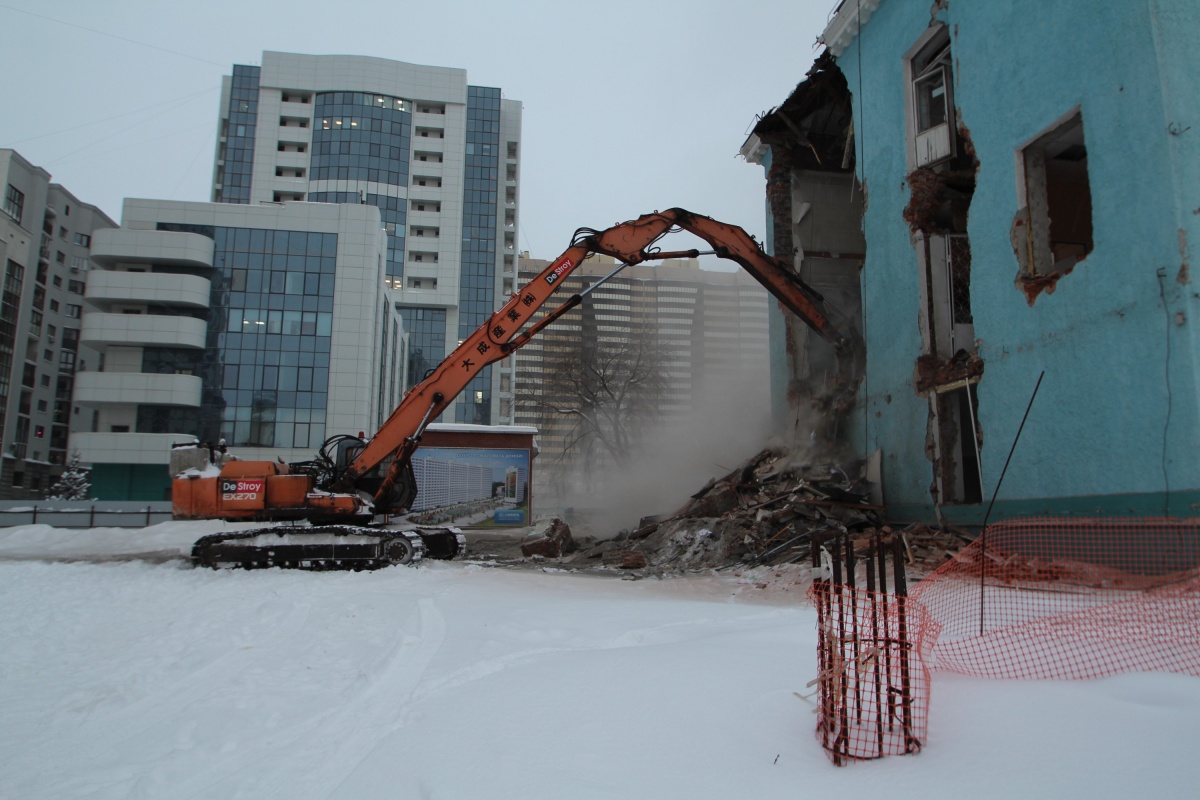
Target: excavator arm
[(630, 243)]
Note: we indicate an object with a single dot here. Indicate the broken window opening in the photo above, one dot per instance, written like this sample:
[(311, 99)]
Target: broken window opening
[(958, 273), (931, 99), (933, 108), (938, 212), (942, 181), (1057, 216), (942, 185), (960, 479)]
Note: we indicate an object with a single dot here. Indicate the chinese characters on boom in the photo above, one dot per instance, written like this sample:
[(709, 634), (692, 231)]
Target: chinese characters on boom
[(242, 489)]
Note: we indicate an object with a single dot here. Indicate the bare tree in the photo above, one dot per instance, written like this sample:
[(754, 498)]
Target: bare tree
[(600, 390)]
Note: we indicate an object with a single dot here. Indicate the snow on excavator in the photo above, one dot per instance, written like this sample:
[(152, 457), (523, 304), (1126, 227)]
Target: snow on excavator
[(335, 498)]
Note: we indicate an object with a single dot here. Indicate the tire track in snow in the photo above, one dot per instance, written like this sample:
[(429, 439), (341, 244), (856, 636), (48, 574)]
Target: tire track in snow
[(387, 743), (666, 633), (147, 725), (378, 720), (375, 709)]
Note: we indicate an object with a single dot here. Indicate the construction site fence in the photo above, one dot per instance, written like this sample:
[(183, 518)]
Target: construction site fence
[(84, 514), (1062, 598), (1070, 598)]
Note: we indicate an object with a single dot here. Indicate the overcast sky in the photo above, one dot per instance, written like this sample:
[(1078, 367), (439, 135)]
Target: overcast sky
[(629, 105)]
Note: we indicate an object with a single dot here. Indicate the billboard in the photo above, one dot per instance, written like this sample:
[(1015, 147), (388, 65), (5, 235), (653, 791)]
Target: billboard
[(471, 487)]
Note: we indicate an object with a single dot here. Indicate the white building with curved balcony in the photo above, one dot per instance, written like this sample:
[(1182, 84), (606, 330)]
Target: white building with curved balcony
[(269, 326)]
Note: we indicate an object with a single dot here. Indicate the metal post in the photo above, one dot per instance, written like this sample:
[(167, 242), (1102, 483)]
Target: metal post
[(911, 744), (856, 641), (877, 655), (843, 737), (821, 590), (987, 516), (885, 637)]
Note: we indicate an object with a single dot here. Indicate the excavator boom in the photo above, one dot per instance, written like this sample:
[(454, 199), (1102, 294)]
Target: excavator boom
[(630, 243)]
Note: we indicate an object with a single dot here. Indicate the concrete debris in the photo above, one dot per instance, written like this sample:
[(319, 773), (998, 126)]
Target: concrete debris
[(759, 519), (625, 559), (765, 514), (554, 541)]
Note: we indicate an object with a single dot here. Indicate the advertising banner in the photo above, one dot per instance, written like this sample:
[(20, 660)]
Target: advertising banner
[(471, 487)]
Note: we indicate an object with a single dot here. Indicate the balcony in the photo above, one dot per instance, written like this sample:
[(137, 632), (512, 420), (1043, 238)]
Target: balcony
[(188, 291), (296, 108), (288, 159), (126, 448), (133, 388), (425, 214), (111, 246), (138, 330), (429, 117)]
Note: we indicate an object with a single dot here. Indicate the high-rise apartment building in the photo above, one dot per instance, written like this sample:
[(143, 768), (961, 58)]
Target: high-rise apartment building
[(267, 326), (679, 333), (437, 156), (45, 232)]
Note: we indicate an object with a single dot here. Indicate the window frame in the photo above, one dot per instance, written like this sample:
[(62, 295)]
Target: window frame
[(1036, 194), (14, 203), (931, 55)]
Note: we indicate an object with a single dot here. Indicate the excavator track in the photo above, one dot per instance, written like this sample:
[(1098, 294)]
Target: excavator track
[(443, 544), (326, 547)]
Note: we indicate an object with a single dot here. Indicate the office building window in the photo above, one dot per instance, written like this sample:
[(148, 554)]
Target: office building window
[(238, 148), (14, 203), (265, 372), (361, 137), (426, 329), (480, 197), (394, 215)]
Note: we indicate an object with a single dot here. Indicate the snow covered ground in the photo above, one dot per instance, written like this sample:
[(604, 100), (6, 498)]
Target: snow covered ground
[(135, 679)]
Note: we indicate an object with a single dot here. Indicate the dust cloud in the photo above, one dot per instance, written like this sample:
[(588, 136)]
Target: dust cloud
[(677, 456)]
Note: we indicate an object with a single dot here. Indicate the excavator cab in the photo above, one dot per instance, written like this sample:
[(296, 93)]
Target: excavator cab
[(343, 451)]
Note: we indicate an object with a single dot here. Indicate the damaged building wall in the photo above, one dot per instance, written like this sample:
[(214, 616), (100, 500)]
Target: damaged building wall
[(814, 208), (1112, 320), (822, 216), (1175, 27)]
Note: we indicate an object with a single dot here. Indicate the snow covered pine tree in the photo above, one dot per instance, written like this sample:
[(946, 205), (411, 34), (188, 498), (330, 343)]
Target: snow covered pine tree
[(73, 484)]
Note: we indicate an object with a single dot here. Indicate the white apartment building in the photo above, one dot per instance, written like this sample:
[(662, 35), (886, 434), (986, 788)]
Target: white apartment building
[(439, 157), (701, 333), (45, 232), (269, 326)]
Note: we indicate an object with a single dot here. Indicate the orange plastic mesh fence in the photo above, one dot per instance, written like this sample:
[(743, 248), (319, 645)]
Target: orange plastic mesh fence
[(872, 680), (1069, 598)]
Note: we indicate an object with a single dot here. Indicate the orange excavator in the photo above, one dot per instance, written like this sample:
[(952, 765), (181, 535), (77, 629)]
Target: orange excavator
[(334, 499)]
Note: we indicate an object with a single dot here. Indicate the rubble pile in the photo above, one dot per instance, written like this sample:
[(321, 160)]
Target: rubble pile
[(765, 513), (554, 541)]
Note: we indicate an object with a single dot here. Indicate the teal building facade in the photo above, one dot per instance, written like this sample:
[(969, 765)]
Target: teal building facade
[(1030, 179)]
